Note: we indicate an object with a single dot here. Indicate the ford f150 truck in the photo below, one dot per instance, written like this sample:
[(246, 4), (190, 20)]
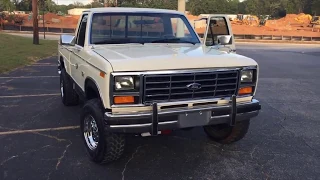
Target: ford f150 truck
[(146, 71)]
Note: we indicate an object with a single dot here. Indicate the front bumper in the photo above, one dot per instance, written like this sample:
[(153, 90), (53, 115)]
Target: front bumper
[(157, 120)]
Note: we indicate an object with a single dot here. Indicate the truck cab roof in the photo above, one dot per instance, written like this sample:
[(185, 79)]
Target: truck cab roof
[(133, 10)]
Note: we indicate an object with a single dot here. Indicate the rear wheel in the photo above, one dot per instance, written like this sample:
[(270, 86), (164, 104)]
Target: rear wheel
[(226, 134), (69, 96), (102, 146)]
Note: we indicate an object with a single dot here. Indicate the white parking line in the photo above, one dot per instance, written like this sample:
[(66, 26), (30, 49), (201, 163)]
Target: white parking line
[(45, 64), (30, 95), (26, 77), (38, 130), (42, 65)]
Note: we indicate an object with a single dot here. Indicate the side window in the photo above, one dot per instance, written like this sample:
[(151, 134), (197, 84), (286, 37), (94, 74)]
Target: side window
[(82, 31), (217, 26)]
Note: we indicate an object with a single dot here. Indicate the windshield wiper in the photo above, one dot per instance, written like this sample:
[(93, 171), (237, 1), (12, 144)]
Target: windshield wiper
[(116, 41), (172, 40)]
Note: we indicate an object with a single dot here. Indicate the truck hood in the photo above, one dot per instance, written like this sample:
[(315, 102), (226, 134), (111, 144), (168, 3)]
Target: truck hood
[(150, 57)]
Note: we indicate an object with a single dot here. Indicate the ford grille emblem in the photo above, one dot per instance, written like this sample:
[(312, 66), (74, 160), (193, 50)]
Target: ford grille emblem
[(194, 86)]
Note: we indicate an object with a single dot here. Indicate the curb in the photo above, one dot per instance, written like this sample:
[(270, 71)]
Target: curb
[(276, 41), (30, 32), (236, 40)]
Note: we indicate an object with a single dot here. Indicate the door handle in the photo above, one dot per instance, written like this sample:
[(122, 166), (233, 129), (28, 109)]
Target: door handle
[(75, 65), (75, 50)]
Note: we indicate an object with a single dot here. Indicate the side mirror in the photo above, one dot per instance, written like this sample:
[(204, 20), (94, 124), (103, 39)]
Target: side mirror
[(224, 39), (67, 40)]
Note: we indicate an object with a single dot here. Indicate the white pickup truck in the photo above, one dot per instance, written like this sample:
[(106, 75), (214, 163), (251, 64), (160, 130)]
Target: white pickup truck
[(146, 72)]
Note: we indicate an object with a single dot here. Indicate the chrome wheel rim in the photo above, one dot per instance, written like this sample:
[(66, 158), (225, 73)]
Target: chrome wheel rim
[(61, 88), (91, 132)]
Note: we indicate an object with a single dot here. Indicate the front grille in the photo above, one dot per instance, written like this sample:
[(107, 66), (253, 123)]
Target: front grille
[(173, 87)]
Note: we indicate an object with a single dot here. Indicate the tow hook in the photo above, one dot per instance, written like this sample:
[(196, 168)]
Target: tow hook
[(148, 134), (164, 132)]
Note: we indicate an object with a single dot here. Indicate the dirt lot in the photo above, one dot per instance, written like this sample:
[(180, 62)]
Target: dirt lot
[(291, 25), (264, 30)]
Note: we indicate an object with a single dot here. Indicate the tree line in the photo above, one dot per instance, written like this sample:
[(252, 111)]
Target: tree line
[(276, 8)]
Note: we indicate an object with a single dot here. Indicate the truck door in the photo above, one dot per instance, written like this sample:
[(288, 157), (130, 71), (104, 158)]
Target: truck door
[(77, 57), (216, 27)]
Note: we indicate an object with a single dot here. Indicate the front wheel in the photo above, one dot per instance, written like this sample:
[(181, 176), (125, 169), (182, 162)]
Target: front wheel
[(226, 134), (102, 147)]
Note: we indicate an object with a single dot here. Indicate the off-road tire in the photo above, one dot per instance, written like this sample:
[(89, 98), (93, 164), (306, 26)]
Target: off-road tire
[(226, 134), (68, 95), (111, 145)]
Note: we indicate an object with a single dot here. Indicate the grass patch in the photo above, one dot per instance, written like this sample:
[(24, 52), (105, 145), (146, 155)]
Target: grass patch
[(17, 51)]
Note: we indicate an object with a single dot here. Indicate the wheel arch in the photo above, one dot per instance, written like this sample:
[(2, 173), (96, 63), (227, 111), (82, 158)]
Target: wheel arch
[(92, 90), (61, 62)]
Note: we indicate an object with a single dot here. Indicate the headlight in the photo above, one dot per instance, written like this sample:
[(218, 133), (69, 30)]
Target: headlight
[(124, 83), (247, 76)]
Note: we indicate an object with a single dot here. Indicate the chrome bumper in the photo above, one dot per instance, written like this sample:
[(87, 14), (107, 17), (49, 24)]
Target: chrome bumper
[(157, 120)]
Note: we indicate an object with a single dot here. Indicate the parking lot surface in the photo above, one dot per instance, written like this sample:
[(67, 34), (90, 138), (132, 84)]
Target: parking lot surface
[(40, 137)]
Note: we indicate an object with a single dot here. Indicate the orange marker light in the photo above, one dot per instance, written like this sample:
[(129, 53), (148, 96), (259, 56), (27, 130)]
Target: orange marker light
[(102, 74), (245, 90), (123, 99)]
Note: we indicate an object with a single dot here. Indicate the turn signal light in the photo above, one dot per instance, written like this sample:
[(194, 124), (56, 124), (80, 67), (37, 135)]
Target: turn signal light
[(123, 99), (245, 90), (102, 74)]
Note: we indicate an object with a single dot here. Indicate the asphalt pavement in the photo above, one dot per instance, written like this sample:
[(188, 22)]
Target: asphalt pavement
[(283, 141)]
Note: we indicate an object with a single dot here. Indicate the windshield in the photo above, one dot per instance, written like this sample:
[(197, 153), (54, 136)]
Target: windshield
[(117, 28)]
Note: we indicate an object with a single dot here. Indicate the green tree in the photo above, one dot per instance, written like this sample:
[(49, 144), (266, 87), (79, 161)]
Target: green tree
[(94, 4), (6, 5), (62, 8), (197, 7), (48, 5), (23, 5), (78, 4), (242, 8), (315, 8), (290, 6), (232, 6), (163, 4)]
